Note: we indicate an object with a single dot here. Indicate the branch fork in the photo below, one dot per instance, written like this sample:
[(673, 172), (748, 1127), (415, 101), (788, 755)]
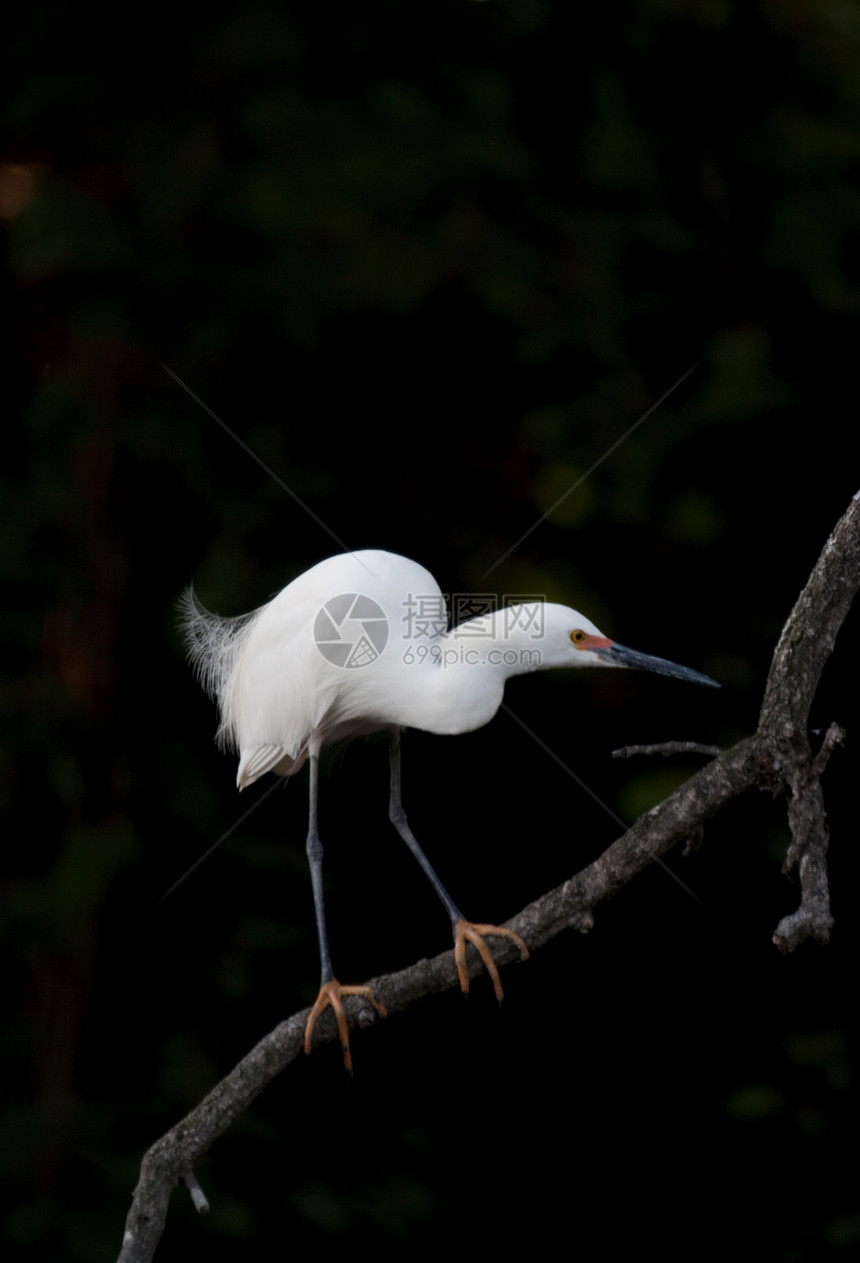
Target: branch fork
[(777, 757)]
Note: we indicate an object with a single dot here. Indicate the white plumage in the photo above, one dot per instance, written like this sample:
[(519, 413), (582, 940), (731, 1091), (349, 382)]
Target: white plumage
[(280, 698), (360, 642)]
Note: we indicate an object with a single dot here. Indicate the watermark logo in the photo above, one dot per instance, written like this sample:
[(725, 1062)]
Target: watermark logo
[(523, 616), (425, 615), (351, 630)]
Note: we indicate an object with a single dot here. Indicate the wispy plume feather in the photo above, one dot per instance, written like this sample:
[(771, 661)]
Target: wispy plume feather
[(214, 645)]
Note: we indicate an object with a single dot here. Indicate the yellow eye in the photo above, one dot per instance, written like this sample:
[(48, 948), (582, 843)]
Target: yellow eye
[(578, 636)]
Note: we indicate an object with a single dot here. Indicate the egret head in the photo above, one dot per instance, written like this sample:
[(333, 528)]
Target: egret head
[(573, 640)]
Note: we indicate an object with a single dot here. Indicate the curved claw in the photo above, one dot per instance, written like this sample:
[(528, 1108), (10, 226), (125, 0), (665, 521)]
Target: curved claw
[(467, 932), (330, 995)]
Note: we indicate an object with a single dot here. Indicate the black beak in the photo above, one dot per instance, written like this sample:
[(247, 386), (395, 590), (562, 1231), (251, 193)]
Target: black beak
[(620, 656)]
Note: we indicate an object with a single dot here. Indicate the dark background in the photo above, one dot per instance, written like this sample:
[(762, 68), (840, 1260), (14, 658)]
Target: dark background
[(429, 261)]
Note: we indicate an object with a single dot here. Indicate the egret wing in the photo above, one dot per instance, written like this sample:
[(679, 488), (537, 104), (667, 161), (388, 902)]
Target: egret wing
[(262, 759)]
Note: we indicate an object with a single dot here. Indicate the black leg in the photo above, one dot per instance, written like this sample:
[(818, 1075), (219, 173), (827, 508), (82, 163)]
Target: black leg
[(315, 857), (398, 818), (464, 931), (331, 992)]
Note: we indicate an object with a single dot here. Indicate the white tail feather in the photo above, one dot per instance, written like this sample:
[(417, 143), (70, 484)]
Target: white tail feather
[(214, 644)]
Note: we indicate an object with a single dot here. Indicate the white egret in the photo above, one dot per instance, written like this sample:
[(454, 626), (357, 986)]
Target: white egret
[(360, 643)]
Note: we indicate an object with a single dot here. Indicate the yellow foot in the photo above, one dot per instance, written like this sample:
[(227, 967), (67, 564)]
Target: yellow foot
[(467, 932), (330, 994)]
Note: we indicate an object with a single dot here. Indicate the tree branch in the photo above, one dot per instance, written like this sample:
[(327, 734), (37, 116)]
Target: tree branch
[(777, 757), (666, 748)]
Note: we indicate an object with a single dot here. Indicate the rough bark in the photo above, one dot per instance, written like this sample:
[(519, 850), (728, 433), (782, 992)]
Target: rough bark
[(778, 758)]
